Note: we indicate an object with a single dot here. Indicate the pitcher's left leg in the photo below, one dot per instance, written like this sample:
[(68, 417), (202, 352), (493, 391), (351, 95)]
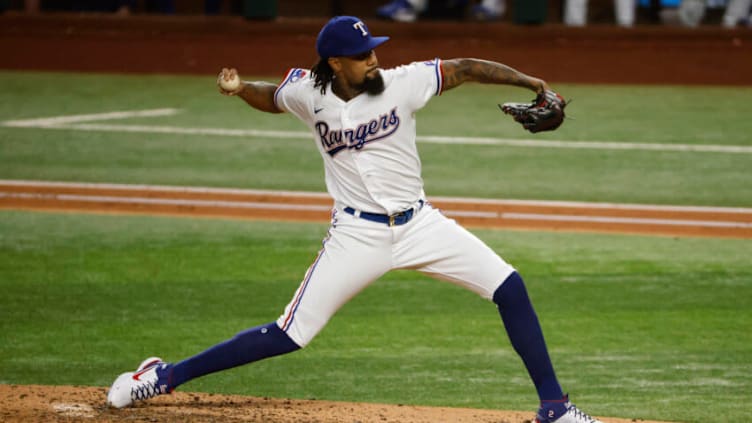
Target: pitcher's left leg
[(526, 336), (439, 247)]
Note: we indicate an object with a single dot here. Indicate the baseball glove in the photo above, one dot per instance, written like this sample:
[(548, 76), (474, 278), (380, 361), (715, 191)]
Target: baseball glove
[(545, 113)]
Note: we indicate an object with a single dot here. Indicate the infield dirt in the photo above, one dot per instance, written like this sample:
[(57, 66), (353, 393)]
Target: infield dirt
[(316, 207), (38, 403)]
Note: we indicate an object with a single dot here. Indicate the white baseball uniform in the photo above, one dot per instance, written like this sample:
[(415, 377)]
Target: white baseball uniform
[(372, 166)]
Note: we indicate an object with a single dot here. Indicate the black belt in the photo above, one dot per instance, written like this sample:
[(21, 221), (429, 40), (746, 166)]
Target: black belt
[(395, 219)]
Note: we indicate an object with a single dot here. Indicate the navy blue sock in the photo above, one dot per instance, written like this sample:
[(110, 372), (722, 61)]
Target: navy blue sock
[(246, 347), (526, 336)]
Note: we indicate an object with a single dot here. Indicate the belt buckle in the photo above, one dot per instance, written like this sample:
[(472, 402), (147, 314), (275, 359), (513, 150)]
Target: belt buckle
[(405, 214)]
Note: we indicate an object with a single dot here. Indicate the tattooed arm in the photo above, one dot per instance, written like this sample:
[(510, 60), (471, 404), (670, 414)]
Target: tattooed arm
[(457, 71), (258, 94)]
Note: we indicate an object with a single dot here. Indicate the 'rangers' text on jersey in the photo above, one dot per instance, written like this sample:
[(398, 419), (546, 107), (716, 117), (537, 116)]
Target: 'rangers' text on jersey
[(368, 143), (373, 130)]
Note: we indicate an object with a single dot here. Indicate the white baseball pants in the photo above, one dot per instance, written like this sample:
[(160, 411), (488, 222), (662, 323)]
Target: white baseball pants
[(356, 252)]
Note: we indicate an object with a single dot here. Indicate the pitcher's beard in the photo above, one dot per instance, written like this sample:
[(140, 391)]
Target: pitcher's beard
[(374, 85)]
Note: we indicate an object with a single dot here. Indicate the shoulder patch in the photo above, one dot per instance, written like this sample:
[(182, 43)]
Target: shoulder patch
[(293, 75), (296, 75)]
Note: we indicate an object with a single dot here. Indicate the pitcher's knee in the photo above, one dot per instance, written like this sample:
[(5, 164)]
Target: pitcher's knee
[(301, 330), (510, 291)]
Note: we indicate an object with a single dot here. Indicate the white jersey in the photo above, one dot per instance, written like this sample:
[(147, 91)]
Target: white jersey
[(372, 165), (368, 143)]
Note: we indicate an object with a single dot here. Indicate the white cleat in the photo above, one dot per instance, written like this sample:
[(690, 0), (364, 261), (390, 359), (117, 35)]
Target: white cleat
[(571, 414), (574, 415), (149, 362), (140, 385)]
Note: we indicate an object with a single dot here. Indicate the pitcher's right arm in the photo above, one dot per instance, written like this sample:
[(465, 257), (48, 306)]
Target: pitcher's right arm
[(258, 94)]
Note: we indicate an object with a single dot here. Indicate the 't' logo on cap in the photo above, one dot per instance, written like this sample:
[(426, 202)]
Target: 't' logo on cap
[(362, 27)]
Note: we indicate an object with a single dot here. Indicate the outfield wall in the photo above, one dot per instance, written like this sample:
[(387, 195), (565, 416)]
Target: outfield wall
[(202, 45)]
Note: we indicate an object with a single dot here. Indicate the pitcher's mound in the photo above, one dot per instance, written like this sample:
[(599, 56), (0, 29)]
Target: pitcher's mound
[(37, 403)]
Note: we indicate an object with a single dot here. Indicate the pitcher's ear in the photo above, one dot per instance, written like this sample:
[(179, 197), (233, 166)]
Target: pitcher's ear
[(335, 64)]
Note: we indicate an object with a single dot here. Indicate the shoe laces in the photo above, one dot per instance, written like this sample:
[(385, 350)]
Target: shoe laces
[(147, 388), (144, 391), (580, 415)]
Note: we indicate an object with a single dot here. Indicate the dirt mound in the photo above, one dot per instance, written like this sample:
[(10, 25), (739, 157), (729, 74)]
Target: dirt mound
[(37, 403)]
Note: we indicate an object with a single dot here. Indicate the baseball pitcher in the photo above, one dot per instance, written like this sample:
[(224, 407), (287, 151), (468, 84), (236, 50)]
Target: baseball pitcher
[(362, 120)]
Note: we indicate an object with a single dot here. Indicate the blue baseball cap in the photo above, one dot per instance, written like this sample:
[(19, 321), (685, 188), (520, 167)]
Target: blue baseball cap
[(345, 36)]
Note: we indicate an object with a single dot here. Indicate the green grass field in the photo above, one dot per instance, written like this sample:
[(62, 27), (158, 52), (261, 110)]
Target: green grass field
[(638, 327), (669, 115)]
